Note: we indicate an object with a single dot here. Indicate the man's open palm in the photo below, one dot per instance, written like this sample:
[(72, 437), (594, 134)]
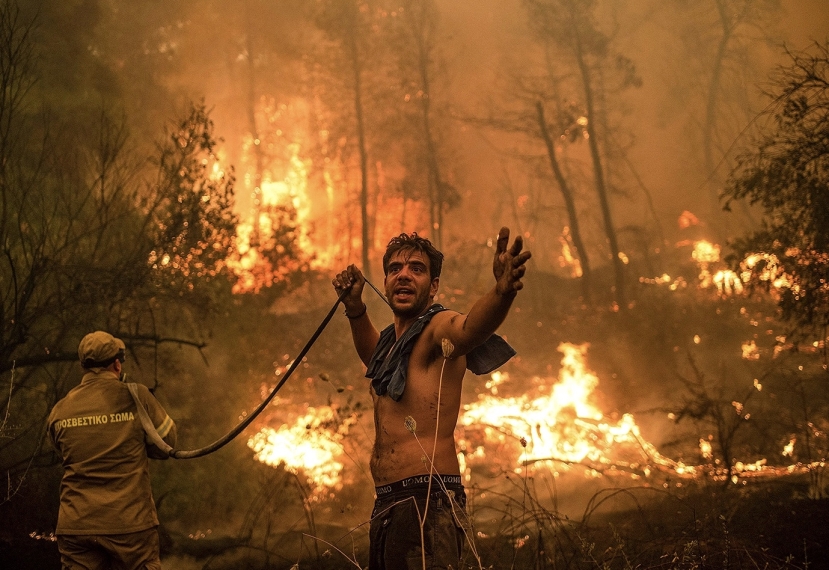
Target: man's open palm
[(509, 264)]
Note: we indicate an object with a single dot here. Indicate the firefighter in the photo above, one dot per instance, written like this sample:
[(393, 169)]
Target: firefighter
[(107, 516)]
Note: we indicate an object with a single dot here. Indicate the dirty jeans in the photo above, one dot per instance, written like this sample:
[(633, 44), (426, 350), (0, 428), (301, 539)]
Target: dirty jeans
[(396, 535)]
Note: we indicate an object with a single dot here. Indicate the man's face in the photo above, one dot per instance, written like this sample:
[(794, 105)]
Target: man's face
[(409, 288)]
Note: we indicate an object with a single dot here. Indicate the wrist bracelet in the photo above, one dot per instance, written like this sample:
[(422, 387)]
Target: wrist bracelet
[(363, 312)]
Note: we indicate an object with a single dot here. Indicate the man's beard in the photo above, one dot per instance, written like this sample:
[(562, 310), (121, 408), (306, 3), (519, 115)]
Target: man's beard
[(420, 305)]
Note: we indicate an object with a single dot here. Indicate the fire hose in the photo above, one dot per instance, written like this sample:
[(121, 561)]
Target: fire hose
[(156, 439)]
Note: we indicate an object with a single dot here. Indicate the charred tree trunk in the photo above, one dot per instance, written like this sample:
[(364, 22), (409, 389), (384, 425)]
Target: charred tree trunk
[(710, 125), (356, 66), (435, 180), (569, 202), (254, 132), (728, 24), (418, 18), (598, 172)]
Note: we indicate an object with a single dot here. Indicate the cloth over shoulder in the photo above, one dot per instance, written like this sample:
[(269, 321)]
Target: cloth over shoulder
[(388, 375)]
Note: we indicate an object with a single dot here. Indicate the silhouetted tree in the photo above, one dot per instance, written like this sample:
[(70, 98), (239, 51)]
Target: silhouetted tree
[(785, 171), (419, 59), (535, 108), (347, 25), (569, 200), (722, 39), (94, 236), (87, 245), (571, 27)]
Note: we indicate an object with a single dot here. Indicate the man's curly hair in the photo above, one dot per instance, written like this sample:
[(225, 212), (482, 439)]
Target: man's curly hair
[(413, 242)]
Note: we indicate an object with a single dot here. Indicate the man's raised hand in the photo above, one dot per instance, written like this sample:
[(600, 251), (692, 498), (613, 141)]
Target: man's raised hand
[(353, 278), (509, 264)]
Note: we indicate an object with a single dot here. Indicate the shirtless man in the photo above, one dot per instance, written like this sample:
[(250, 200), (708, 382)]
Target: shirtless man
[(416, 387)]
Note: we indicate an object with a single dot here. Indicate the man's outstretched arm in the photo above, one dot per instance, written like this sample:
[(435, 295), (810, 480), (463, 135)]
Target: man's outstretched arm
[(469, 331), (363, 332)]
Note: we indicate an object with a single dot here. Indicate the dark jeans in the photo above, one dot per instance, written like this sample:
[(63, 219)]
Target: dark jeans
[(396, 532)]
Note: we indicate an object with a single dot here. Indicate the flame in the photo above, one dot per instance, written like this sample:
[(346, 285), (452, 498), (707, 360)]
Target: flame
[(706, 252), (309, 445), (771, 270), (750, 350), (562, 426), (705, 449), (687, 219), (559, 427), (727, 282), (276, 174), (707, 255), (567, 259), (317, 198), (261, 258)]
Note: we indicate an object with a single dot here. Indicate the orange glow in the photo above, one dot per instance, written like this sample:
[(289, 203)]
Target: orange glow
[(771, 271), (261, 258), (687, 219), (562, 426), (705, 449), (750, 350), (275, 174), (728, 282), (707, 257), (706, 252), (554, 425), (319, 200), (567, 259), (309, 445)]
